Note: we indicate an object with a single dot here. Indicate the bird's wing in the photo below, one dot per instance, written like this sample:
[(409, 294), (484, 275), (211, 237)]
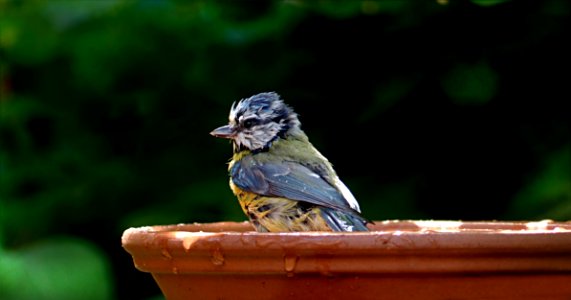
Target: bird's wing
[(289, 180)]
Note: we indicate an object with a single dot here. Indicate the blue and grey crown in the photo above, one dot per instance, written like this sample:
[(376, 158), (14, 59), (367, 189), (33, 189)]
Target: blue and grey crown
[(264, 108)]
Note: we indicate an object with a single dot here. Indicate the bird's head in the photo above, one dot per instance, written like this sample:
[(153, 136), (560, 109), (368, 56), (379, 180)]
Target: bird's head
[(255, 122)]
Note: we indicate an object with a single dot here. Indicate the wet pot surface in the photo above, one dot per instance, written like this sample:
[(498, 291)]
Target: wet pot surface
[(395, 260)]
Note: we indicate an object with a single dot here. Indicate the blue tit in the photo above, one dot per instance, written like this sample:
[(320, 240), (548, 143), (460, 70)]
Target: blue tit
[(281, 181)]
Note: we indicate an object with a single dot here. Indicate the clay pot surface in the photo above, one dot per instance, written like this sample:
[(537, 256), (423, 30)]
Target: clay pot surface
[(395, 260)]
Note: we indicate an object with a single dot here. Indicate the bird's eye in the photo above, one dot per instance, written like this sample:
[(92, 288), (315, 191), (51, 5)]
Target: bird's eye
[(250, 122)]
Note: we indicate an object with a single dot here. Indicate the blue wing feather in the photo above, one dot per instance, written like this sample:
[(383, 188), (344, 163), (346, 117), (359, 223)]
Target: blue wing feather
[(286, 179), (248, 179)]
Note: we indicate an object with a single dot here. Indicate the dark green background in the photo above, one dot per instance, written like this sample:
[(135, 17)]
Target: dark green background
[(428, 110)]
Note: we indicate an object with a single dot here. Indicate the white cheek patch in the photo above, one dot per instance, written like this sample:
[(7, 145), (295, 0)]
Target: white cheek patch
[(261, 135), (241, 140)]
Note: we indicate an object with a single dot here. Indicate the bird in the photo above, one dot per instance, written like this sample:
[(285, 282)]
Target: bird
[(282, 182)]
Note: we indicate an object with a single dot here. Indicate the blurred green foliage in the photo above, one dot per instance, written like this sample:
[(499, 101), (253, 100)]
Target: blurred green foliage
[(428, 109), (58, 268)]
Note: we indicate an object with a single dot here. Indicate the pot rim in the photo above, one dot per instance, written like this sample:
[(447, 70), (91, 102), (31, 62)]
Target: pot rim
[(391, 247)]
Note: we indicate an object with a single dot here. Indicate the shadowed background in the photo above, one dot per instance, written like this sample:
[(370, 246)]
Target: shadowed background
[(427, 109)]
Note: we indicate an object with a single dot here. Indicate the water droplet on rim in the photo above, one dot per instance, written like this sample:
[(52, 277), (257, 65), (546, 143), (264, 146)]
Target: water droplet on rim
[(289, 264), (217, 258), (165, 253)]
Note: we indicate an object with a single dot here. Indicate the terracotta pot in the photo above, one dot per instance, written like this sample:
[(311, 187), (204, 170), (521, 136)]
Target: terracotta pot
[(396, 260)]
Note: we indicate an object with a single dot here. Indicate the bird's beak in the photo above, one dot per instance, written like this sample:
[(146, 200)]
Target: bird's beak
[(225, 131)]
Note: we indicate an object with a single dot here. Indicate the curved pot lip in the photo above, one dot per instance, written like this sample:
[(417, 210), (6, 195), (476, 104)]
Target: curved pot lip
[(404, 235), (390, 246), (403, 226)]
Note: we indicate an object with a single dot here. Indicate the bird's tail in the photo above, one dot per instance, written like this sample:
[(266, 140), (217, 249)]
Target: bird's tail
[(344, 221)]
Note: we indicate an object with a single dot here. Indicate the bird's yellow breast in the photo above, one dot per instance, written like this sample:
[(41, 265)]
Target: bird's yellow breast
[(277, 214)]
